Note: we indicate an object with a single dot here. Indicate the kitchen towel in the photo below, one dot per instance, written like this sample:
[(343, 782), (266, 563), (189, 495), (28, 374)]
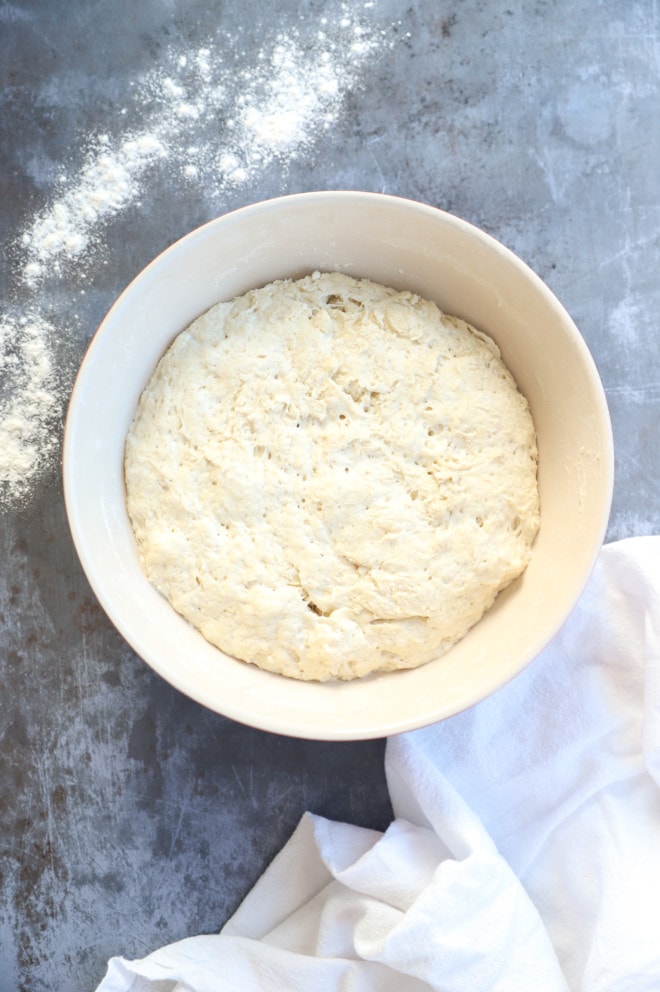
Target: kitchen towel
[(525, 849)]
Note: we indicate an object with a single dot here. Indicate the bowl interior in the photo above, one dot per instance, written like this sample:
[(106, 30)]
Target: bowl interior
[(402, 244)]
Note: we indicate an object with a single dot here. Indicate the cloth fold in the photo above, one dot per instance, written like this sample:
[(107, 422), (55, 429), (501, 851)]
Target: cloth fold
[(525, 848)]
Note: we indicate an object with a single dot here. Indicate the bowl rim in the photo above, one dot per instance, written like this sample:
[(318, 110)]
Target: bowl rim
[(235, 709)]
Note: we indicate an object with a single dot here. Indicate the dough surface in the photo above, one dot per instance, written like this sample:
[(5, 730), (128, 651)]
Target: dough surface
[(328, 477)]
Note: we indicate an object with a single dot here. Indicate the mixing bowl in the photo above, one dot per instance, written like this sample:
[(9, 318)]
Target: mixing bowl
[(406, 245)]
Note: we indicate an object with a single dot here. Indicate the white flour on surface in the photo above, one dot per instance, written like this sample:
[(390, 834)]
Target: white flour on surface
[(105, 185), (269, 110), (213, 116), (29, 404)]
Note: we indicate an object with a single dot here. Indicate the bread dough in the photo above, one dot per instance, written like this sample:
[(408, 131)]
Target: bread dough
[(328, 477)]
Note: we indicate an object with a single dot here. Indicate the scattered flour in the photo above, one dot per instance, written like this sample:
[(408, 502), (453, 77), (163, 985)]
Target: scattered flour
[(105, 185), (213, 116), (30, 403), (211, 123)]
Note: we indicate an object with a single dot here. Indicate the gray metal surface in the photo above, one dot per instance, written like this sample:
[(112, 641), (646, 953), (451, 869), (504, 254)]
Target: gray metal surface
[(130, 816)]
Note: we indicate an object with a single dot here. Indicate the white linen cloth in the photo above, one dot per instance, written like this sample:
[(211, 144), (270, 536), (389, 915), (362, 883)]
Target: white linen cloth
[(525, 851)]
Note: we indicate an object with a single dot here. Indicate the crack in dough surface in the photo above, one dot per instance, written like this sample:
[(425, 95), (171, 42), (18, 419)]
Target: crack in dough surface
[(328, 477)]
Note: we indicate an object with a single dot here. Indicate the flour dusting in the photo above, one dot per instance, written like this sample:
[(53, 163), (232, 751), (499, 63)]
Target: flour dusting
[(211, 122), (29, 404), (106, 184), (214, 116), (296, 95)]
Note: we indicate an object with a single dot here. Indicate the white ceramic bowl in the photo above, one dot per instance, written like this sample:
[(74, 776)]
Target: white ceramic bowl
[(409, 246)]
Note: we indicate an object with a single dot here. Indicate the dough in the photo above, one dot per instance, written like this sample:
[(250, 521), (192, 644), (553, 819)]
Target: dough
[(328, 477)]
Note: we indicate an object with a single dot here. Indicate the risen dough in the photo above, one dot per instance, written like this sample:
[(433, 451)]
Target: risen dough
[(328, 477)]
